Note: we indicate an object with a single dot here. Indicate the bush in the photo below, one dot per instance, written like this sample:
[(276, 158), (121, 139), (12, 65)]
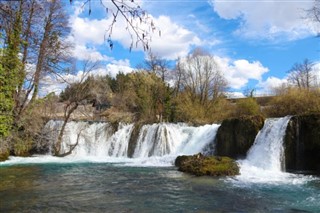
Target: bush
[(247, 106), (4, 150), (294, 102), (192, 111)]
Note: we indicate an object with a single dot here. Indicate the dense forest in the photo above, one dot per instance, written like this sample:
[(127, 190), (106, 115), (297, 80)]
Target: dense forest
[(192, 90)]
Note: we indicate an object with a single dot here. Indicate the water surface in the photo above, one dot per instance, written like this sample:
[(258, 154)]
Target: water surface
[(115, 187)]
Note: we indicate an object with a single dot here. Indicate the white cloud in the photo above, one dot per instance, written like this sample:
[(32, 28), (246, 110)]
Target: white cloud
[(113, 69), (267, 87), (235, 95), (174, 41), (87, 34), (81, 52), (267, 19), (58, 84), (239, 72), (86, 30)]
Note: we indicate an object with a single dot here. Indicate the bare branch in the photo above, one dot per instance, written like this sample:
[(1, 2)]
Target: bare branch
[(139, 24)]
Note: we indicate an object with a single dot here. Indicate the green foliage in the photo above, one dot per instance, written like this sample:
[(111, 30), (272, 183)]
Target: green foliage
[(143, 94), (6, 105), (79, 91), (294, 101), (10, 67), (22, 145), (247, 106)]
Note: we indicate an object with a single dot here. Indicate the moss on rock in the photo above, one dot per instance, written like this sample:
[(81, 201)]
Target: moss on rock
[(235, 136), (200, 165)]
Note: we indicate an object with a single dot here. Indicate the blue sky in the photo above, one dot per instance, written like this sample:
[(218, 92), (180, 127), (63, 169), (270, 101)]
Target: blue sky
[(255, 42)]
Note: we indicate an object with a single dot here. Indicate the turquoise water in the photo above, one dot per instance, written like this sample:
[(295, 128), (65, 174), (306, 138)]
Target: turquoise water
[(111, 187)]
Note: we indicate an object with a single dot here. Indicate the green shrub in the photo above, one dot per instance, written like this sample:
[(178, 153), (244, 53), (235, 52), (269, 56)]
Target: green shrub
[(247, 106), (22, 146)]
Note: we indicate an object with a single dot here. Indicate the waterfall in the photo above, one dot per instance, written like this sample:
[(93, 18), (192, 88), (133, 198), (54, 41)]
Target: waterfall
[(95, 138), (265, 159), (98, 139), (173, 139), (267, 151)]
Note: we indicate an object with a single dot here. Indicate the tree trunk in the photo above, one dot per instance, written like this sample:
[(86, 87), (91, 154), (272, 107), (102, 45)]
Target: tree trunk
[(57, 146)]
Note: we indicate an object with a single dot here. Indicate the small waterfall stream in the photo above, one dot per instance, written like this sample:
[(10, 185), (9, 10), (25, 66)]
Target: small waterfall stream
[(265, 159), (267, 151)]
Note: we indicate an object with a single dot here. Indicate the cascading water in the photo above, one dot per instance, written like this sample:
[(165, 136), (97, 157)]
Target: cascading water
[(157, 144), (173, 139), (94, 139), (267, 151), (265, 158)]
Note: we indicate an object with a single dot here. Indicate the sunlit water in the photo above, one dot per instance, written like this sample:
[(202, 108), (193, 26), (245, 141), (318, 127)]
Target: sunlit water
[(62, 186)]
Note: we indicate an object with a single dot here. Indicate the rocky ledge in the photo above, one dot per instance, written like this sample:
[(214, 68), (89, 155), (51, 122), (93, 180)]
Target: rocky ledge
[(201, 165)]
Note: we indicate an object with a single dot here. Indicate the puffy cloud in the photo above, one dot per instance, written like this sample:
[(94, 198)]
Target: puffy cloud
[(239, 72), (81, 52), (113, 69), (267, 19), (174, 41), (267, 87)]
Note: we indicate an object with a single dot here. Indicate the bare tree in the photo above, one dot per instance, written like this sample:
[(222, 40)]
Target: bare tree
[(315, 11), (75, 94), (249, 92), (302, 75), (157, 65), (200, 76), (44, 24)]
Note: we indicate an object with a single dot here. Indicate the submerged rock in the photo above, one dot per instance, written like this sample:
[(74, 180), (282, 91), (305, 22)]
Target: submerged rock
[(235, 136), (302, 143), (200, 165)]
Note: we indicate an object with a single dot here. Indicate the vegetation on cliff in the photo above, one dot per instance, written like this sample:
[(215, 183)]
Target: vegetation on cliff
[(200, 165)]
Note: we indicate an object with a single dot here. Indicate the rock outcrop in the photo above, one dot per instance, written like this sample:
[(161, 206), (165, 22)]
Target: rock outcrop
[(302, 143), (235, 136), (201, 165)]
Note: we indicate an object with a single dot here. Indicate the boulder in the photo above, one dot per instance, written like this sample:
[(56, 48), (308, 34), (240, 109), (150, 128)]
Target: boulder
[(4, 156), (201, 165), (302, 143), (235, 136)]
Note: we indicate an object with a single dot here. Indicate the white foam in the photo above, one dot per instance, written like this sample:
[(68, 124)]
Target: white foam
[(265, 159), (157, 146)]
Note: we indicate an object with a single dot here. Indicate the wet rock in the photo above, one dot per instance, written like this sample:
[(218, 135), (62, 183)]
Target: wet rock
[(235, 136), (201, 165), (302, 143)]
